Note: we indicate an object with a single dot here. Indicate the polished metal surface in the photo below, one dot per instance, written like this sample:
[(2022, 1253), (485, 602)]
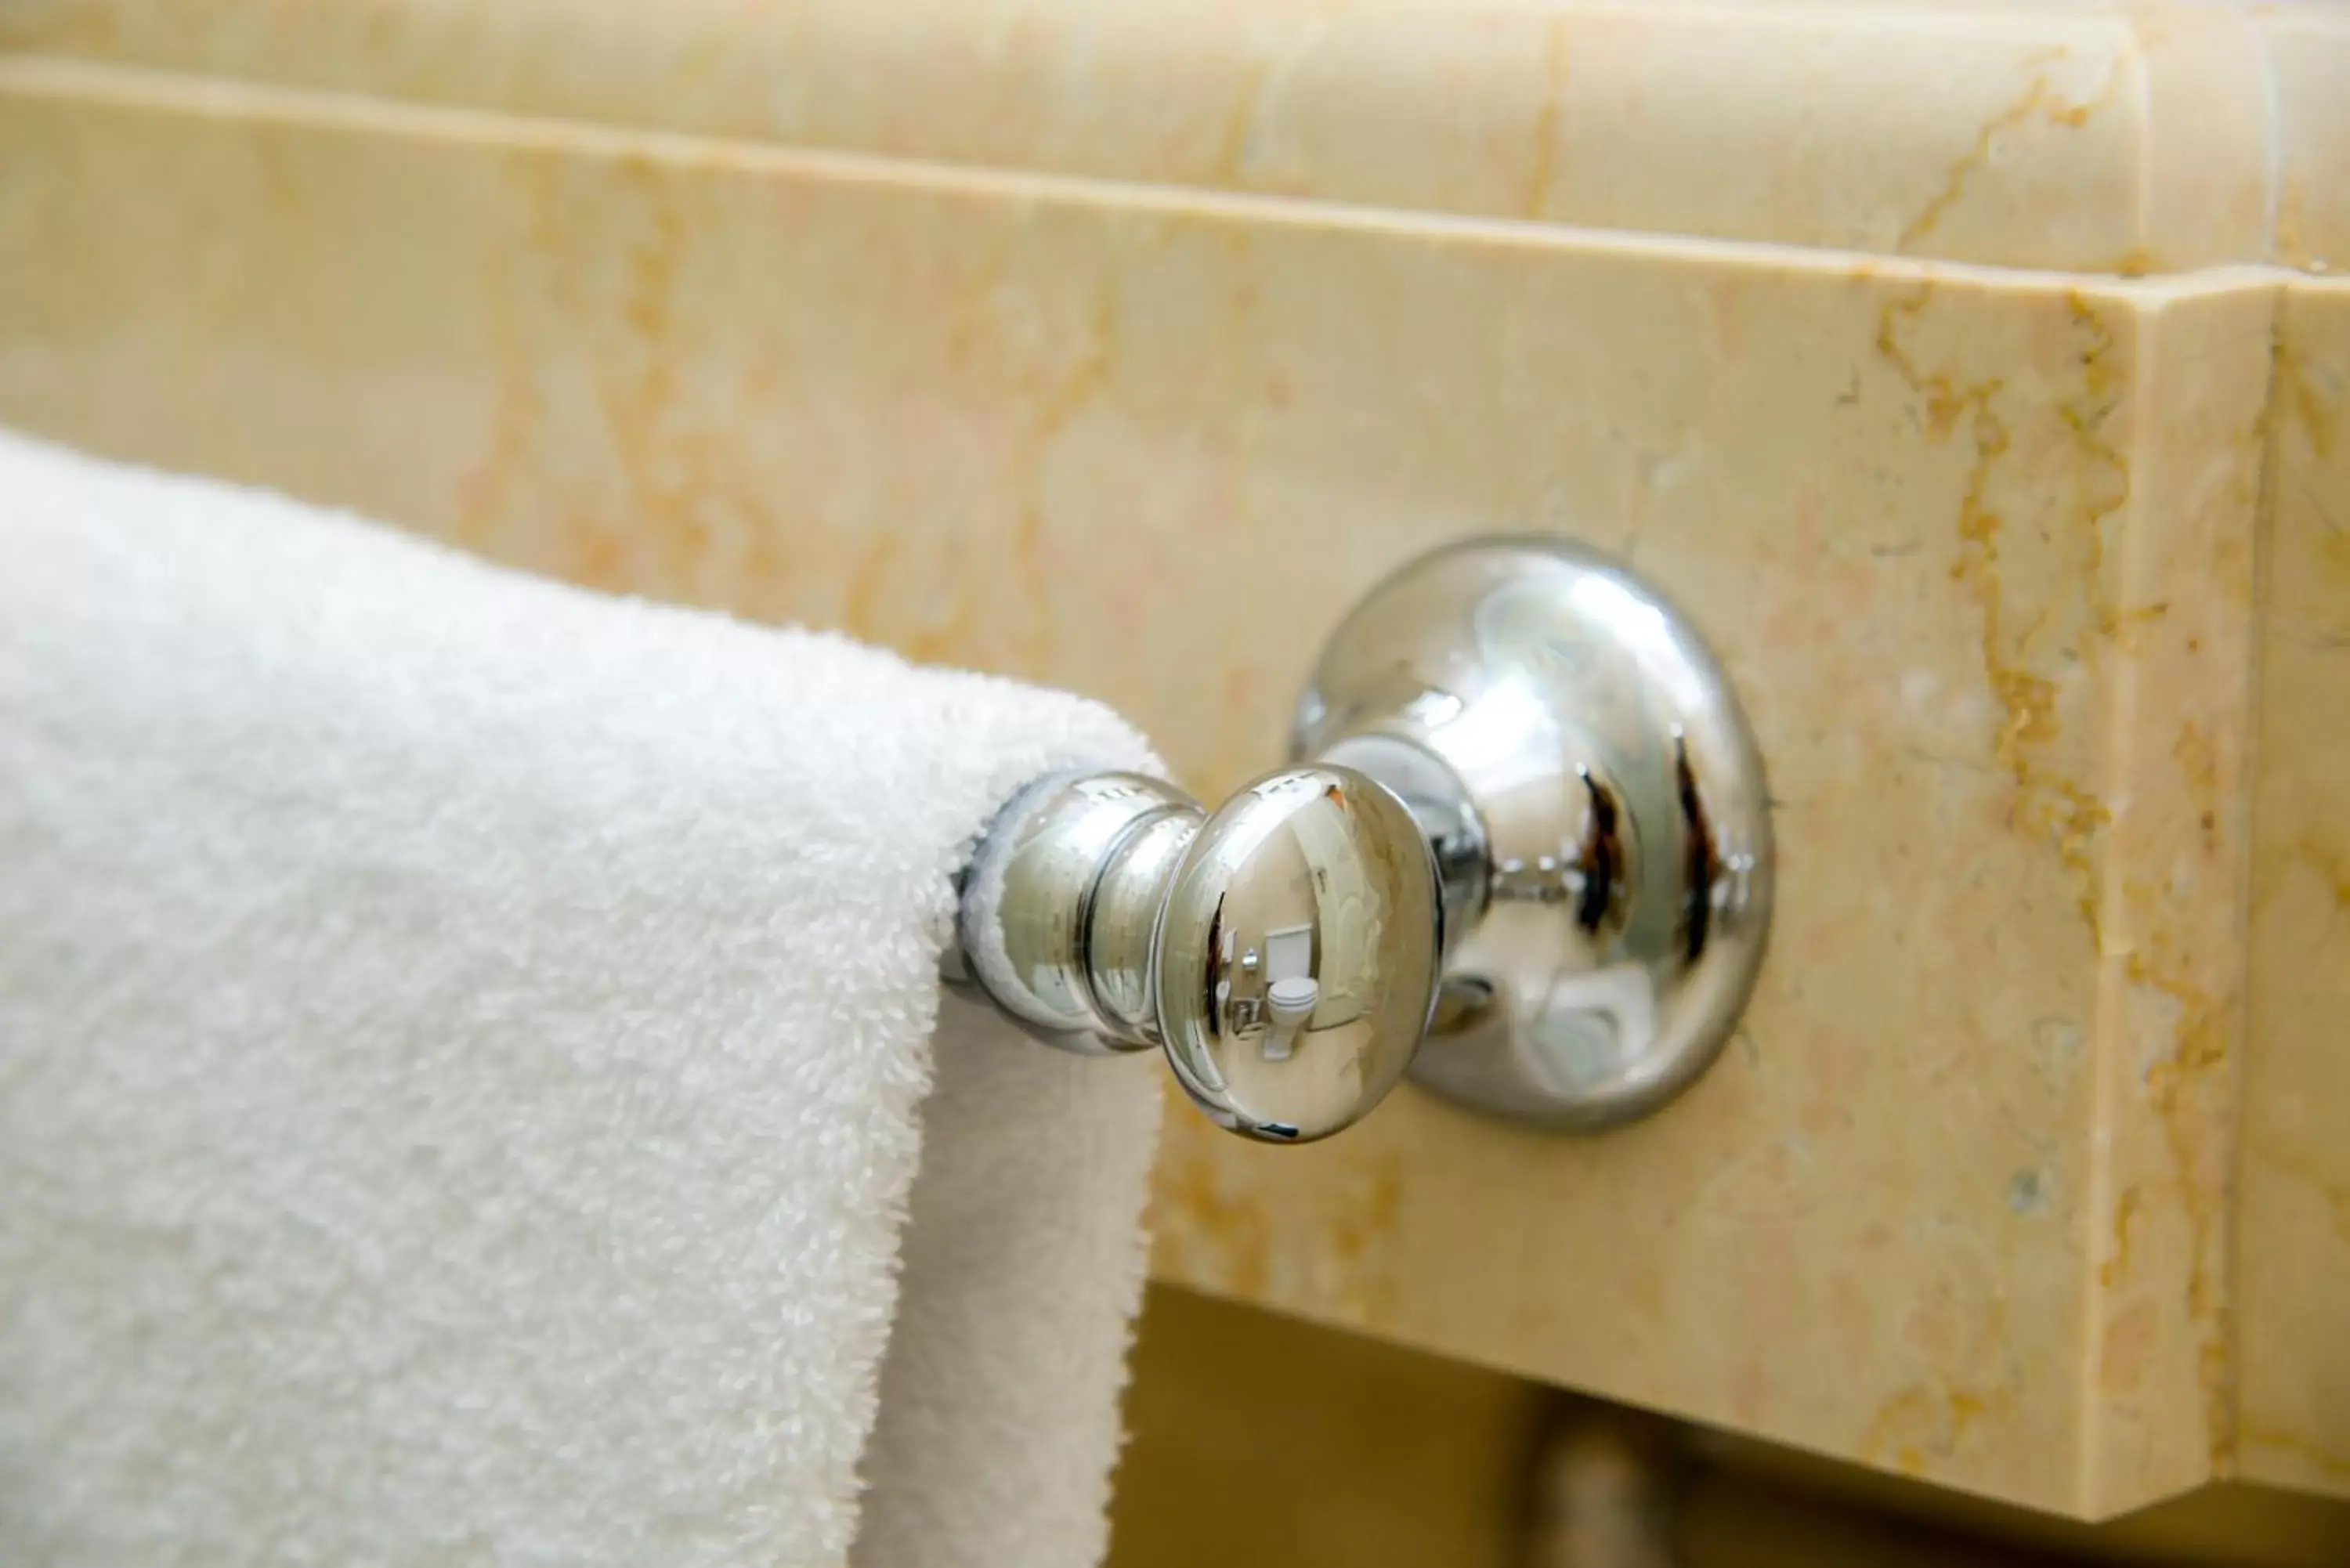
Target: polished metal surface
[(1569, 728), (1296, 959), (1052, 875), (1529, 841), (1284, 953)]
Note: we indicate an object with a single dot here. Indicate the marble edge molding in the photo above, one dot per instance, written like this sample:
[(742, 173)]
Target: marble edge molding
[(77, 80), (2105, 138)]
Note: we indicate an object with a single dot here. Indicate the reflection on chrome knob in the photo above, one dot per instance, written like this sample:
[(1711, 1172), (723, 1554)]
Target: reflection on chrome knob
[(1284, 953), (1295, 962)]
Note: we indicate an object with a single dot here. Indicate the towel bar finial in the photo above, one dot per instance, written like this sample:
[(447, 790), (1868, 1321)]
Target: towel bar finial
[(1531, 831)]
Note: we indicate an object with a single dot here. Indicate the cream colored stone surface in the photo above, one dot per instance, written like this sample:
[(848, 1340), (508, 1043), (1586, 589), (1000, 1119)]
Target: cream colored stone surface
[(2310, 49), (2296, 1243), (2103, 136), (1978, 547)]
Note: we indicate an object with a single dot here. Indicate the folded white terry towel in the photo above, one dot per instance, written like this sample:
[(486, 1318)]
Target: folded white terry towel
[(468, 1049)]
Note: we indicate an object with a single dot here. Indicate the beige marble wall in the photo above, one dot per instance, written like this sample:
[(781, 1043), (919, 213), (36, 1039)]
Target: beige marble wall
[(2308, 48), (2127, 136), (1978, 547), (2296, 1248)]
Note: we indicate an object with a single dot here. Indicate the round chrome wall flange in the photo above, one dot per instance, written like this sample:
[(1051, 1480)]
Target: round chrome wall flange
[(1595, 807)]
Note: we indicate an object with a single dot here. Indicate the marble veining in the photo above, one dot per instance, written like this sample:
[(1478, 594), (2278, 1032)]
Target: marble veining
[(2112, 137), (2294, 1250), (1980, 547)]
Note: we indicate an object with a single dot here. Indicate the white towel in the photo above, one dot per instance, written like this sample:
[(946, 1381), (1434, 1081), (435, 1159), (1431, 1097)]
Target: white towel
[(463, 1050)]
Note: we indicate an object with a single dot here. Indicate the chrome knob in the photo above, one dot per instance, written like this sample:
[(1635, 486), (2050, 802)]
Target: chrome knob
[(1296, 958), (1530, 824), (1285, 952)]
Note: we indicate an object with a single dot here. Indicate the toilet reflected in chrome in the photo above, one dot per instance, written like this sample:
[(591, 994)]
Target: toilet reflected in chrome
[(1293, 955)]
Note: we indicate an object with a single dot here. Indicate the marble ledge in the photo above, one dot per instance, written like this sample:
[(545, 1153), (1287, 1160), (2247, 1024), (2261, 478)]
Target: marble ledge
[(2123, 139), (64, 82)]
